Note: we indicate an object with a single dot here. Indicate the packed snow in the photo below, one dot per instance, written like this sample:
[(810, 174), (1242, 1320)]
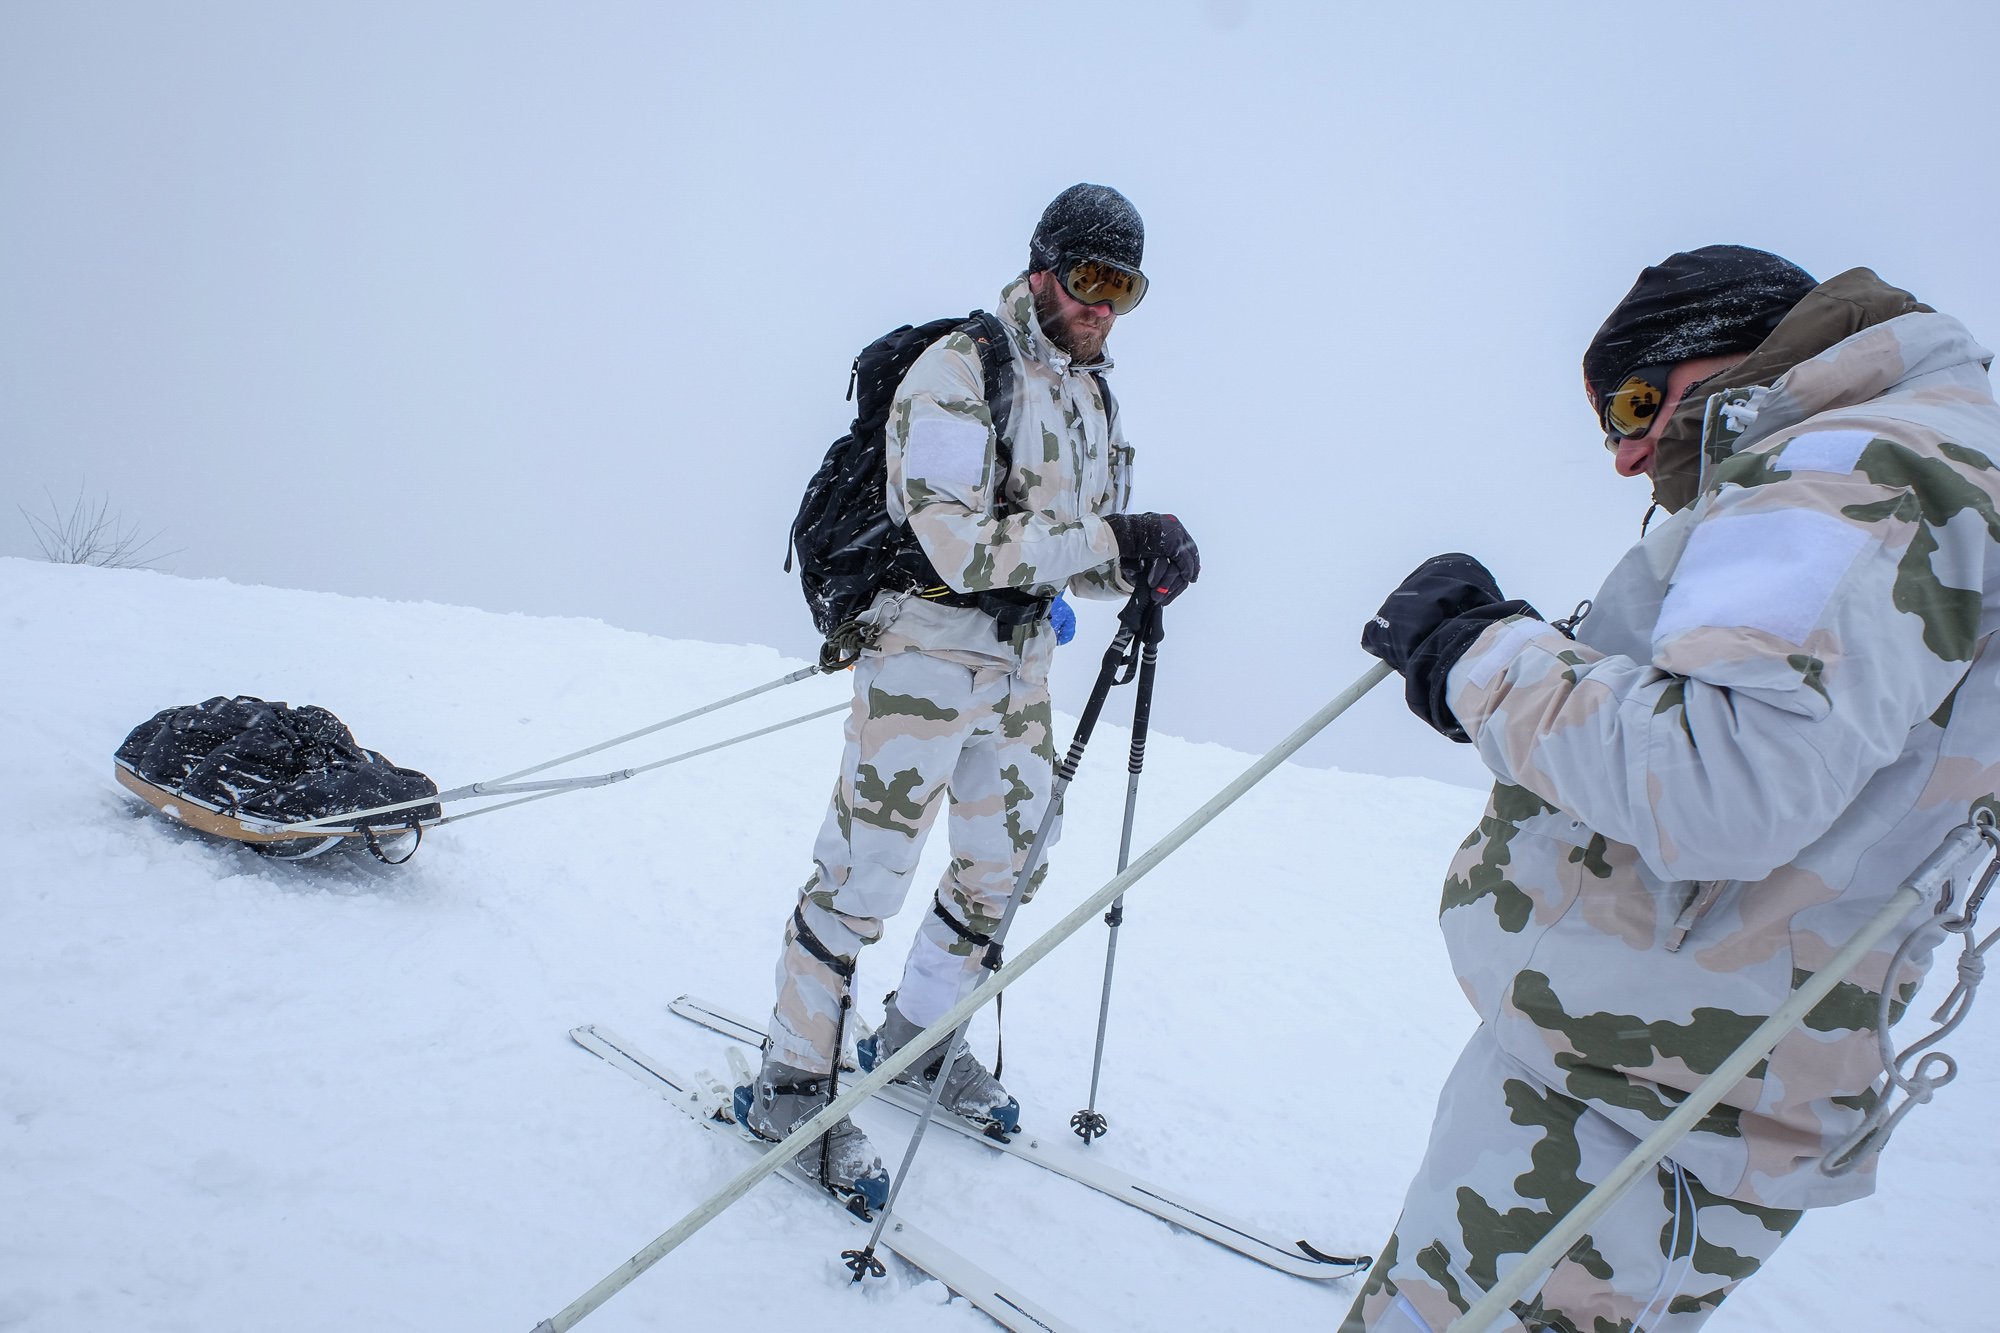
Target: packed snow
[(329, 1095)]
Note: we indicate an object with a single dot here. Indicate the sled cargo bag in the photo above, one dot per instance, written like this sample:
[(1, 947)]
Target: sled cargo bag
[(243, 769)]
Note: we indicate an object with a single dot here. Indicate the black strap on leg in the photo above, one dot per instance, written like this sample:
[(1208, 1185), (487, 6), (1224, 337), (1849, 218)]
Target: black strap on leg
[(842, 967), (958, 928), (991, 962), (833, 1084)]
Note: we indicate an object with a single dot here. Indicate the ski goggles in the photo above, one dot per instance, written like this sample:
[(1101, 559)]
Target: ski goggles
[(1101, 282), (1633, 407)]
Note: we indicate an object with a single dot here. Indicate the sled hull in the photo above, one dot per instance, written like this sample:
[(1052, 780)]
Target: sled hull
[(205, 818)]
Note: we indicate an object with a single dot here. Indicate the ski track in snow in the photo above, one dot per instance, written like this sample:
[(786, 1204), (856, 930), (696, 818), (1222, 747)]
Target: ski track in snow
[(237, 1094)]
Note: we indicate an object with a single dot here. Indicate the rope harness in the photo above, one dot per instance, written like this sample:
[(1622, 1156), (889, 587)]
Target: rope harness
[(1933, 1069)]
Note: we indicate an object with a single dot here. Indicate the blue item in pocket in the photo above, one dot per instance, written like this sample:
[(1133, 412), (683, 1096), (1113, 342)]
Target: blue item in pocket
[(1063, 619)]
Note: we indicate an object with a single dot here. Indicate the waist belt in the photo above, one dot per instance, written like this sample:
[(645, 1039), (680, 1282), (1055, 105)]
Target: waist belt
[(1010, 607)]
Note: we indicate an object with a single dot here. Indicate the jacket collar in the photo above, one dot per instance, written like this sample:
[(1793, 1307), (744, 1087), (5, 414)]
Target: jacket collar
[(1017, 312), (1832, 312), (1918, 350)]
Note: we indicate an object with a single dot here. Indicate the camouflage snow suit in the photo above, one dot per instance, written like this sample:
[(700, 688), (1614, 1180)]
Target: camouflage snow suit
[(945, 711), (1781, 701)]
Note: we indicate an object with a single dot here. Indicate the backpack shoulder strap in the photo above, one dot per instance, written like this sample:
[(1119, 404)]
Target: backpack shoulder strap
[(996, 362), (1110, 402)]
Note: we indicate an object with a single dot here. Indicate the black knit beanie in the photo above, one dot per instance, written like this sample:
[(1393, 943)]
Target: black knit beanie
[(1706, 302), (1088, 222)]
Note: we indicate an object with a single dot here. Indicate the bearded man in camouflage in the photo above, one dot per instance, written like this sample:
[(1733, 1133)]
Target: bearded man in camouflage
[(951, 703), (1780, 701)]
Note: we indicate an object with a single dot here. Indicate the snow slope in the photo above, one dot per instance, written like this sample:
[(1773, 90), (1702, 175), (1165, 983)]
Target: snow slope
[(237, 1094)]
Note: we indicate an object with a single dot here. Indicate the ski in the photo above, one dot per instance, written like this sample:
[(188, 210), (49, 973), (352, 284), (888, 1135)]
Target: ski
[(1300, 1259), (706, 1106)]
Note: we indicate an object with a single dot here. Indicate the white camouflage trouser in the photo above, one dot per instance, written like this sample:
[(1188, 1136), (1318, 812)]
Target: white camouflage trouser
[(1507, 1159), (923, 731)]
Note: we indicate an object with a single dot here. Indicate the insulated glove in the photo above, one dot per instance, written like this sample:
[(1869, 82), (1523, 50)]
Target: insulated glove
[(1429, 622), (1155, 553), (1062, 620)]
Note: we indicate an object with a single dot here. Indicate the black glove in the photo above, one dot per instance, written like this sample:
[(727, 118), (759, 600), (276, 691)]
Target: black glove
[(1429, 622), (1155, 554)]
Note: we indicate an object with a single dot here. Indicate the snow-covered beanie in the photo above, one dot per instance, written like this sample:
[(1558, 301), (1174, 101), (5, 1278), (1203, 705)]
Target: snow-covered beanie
[(1088, 222), (1707, 302)]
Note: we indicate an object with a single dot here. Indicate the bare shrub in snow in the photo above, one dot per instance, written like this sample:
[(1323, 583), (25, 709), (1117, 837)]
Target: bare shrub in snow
[(89, 533)]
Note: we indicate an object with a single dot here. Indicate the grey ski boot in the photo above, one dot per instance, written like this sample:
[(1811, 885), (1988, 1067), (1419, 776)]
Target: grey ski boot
[(780, 1099), (970, 1092)]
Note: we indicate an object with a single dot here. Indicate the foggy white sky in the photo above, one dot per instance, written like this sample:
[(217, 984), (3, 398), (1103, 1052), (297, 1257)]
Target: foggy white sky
[(549, 308)]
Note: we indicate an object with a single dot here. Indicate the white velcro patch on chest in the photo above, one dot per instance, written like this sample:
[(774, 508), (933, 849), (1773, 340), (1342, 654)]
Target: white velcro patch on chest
[(1774, 572), (945, 451), (1824, 451)]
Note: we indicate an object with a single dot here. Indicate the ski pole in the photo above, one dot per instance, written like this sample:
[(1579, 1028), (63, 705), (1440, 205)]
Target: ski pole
[(877, 1078), (1922, 885), (1089, 1123), (862, 1262)]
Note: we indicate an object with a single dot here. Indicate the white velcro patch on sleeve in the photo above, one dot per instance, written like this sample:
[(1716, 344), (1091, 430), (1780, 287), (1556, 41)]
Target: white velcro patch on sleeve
[(946, 451), (1824, 451), (1774, 572), (1507, 645)]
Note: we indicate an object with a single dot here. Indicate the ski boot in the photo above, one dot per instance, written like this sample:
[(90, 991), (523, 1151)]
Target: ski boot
[(970, 1092), (781, 1098)]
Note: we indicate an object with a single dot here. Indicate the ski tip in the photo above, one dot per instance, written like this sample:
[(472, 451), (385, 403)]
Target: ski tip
[(1357, 1262)]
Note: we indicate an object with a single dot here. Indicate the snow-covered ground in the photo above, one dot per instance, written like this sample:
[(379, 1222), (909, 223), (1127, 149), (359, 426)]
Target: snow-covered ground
[(237, 1094)]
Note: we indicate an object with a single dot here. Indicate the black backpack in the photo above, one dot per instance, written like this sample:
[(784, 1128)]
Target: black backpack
[(847, 547)]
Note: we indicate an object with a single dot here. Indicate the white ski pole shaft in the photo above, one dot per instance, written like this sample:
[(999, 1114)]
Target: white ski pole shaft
[(956, 1016), (1922, 886)]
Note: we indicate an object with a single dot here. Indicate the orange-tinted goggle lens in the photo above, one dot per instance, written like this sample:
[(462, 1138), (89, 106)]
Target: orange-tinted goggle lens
[(1099, 282), (1632, 407)]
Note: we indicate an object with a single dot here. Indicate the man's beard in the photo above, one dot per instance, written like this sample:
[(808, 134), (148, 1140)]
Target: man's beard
[(1082, 345)]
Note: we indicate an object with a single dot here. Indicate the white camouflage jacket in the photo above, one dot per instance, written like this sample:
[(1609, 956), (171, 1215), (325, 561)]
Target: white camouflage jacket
[(1070, 466), (1782, 699)]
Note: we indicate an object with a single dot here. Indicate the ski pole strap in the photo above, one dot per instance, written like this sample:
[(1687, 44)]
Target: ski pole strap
[(842, 967)]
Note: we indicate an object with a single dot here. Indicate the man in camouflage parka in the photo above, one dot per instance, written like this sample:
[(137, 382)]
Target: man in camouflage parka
[(1778, 704), (950, 708)]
